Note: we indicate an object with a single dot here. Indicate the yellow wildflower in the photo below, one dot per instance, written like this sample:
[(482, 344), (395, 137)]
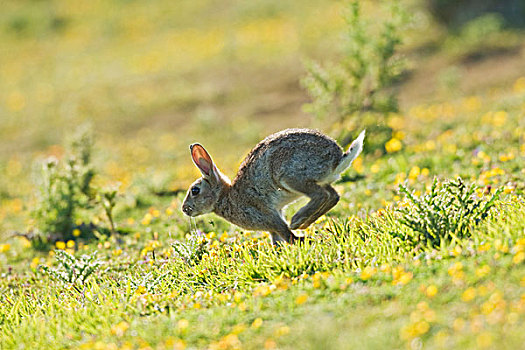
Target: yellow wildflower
[(469, 294), (182, 324), (120, 328), (368, 272), (301, 299), (431, 291), (519, 257), (279, 332), (394, 145), (257, 323), (519, 85), (458, 324)]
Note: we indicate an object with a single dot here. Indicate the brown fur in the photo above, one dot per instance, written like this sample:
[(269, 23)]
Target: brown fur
[(281, 168)]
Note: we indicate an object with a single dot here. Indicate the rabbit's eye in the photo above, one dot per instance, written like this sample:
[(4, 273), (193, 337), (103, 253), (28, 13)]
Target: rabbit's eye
[(195, 191)]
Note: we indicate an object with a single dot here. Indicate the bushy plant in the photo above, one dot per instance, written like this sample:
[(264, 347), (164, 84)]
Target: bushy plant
[(67, 193), (192, 250), (71, 269), (355, 92), (65, 188), (448, 212), (481, 36), (108, 198)]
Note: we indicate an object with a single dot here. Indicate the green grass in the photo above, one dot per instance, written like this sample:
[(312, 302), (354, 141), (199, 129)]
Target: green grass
[(362, 279)]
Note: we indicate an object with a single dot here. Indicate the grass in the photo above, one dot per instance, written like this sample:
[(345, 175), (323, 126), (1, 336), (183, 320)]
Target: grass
[(363, 278)]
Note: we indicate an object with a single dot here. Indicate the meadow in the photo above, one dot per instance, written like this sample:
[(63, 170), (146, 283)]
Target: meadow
[(99, 101)]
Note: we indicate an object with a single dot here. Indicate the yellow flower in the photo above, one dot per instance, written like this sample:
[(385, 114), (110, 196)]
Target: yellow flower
[(396, 121), (455, 268), (403, 279), (182, 324), (242, 306), (385, 268), (270, 344), (317, 280), (394, 145), (70, 244), (76, 232), (472, 103), (257, 323), (482, 271), (458, 324), (239, 328), (414, 172), (519, 85), (279, 332), (468, 294), (60, 245), (238, 296), (499, 118), (120, 328), (301, 299), (431, 291), (484, 247), (147, 219), (358, 165), (519, 257), (34, 263), (169, 343), (422, 327), (484, 340), (368, 272), (262, 290), (116, 252)]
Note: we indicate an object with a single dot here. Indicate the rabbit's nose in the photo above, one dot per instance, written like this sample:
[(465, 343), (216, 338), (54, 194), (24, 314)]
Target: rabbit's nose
[(186, 209)]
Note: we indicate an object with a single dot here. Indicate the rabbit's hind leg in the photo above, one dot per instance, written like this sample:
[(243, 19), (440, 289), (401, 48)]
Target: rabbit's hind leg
[(321, 197), (324, 208)]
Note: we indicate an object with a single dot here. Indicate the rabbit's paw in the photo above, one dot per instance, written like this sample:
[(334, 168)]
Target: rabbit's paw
[(297, 221), (297, 239)]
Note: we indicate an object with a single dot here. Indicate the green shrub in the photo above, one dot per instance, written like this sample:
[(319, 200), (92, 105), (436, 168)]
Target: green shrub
[(355, 92), (67, 194), (481, 36), (447, 212), (107, 197), (65, 188), (191, 251), (71, 269)]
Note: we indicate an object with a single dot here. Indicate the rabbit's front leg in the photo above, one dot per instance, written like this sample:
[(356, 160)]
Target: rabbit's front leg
[(278, 228)]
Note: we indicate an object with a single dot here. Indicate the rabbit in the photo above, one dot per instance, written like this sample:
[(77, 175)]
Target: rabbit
[(277, 171)]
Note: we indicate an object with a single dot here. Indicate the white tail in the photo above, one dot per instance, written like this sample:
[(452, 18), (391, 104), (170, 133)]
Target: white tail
[(353, 152)]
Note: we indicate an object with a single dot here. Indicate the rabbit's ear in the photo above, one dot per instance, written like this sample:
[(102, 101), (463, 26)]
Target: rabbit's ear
[(203, 161)]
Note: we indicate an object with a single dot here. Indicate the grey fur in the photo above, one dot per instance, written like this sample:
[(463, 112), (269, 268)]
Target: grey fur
[(280, 169)]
